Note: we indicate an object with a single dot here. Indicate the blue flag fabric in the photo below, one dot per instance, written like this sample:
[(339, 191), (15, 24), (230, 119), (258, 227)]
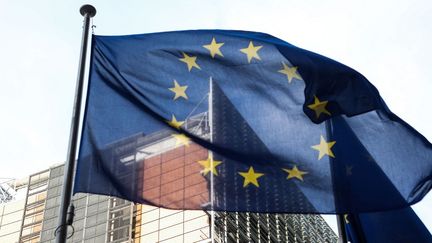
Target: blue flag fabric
[(397, 226), (242, 121)]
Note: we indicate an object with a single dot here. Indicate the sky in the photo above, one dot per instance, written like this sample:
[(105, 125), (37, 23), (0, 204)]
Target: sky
[(388, 41)]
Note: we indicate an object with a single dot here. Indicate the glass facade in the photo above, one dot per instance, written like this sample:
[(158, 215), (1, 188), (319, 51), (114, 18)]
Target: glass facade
[(11, 215), (107, 219), (255, 227), (164, 225), (165, 171), (34, 207)]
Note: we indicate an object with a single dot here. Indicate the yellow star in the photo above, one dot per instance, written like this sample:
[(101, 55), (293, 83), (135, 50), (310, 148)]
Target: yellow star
[(324, 148), (174, 123), (181, 139), (319, 107), (179, 91), (291, 72), (295, 173), (190, 61), (251, 177), (251, 51), (214, 48), (209, 166)]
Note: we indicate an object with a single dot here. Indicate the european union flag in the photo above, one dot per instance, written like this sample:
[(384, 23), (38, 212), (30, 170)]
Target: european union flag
[(397, 226), (242, 121)]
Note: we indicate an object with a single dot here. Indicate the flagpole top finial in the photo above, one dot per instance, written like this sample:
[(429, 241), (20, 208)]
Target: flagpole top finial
[(88, 9)]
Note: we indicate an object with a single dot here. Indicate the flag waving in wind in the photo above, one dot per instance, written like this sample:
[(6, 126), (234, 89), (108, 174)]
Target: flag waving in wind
[(242, 121), (396, 226)]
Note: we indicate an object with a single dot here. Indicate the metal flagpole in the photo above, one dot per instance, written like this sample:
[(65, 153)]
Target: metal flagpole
[(87, 11), (210, 117), (339, 217), (341, 228)]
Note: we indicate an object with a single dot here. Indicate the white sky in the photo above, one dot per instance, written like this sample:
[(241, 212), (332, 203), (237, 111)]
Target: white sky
[(387, 41)]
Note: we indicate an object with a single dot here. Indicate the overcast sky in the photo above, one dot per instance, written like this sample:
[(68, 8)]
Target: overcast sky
[(387, 41)]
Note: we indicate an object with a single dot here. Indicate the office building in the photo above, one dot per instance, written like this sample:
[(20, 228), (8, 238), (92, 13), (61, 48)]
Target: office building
[(29, 209), (32, 217)]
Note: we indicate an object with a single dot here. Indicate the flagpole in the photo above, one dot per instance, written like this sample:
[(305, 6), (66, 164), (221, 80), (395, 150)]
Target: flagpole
[(341, 228), (87, 11), (339, 217), (210, 117)]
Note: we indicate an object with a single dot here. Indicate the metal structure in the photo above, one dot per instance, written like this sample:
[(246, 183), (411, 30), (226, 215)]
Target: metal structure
[(34, 207), (87, 11), (7, 190)]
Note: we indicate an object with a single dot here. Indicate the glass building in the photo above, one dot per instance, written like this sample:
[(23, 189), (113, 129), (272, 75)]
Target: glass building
[(33, 218), (29, 212)]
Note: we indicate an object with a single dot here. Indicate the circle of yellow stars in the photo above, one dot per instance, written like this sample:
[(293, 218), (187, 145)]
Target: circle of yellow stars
[(252, 53)]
